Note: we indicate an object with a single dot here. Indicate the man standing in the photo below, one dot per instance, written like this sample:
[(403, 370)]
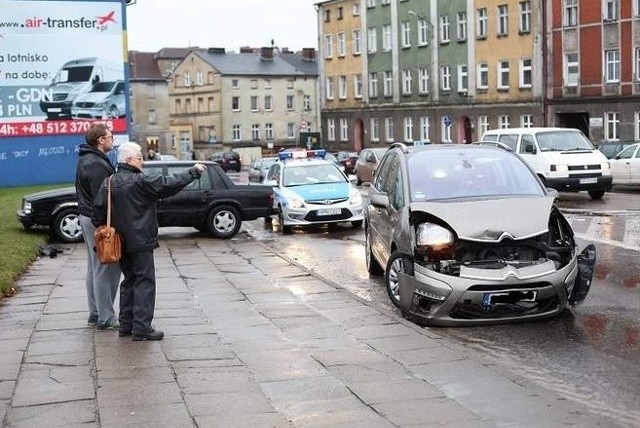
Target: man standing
[(134, 198), (102, 279)]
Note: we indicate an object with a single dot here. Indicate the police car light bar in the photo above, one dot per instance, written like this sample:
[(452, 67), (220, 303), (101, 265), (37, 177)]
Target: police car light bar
[(302, 154)]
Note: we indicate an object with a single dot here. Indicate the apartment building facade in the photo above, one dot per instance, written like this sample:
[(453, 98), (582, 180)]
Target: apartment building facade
[(263, 98)]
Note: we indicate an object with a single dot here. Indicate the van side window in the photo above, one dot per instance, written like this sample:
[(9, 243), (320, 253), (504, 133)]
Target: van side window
[(527, 144), (510, 140)]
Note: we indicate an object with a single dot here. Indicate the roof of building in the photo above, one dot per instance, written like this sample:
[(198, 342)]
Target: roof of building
[(253, 64), (143, 66), (174, 53)]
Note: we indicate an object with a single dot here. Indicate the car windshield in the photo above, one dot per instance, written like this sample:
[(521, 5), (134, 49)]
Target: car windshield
[(447, 174), (563, 140), (300, 175), (103, 87)]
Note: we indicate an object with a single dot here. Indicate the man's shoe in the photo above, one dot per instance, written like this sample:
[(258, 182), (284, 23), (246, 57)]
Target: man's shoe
[(124, 333), (150, 335), (107, 326), (93, 319)]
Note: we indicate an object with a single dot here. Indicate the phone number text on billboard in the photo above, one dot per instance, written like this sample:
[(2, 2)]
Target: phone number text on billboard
[(62, 127)]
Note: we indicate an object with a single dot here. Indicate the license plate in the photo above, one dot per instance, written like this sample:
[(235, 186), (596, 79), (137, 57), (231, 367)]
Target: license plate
[(589, 180), (54, 110), (329, 211)]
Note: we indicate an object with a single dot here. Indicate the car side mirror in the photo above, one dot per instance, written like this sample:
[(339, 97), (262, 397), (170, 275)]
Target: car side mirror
[(379, 200)]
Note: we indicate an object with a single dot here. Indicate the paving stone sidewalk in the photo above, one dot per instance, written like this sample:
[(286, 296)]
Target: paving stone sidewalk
[(252, 340)]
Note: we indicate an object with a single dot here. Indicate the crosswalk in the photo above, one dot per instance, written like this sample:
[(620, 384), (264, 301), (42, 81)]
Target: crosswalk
[(620, 229)]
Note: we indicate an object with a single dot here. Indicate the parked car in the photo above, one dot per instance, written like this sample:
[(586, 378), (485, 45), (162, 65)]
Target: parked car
[(611, 148), (625, 166), (212, 204), (348, 161), (468, 234), (259, 168), (310, 190), (228, 160), (105, 100), (367, 163)]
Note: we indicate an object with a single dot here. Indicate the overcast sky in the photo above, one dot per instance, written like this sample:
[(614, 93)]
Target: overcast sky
[(155, 24)]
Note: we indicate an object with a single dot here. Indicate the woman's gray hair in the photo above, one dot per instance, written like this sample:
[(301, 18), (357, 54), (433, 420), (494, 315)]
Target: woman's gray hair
[(128, 150)]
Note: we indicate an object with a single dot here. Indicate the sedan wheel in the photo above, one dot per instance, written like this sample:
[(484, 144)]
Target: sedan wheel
[(224, 222), (398, 262), (66, 227)]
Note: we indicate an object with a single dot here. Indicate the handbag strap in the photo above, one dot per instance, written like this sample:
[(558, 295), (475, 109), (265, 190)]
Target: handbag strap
[(109, 201)]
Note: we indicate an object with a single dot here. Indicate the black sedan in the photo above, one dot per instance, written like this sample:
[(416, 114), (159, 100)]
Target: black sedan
[(212, 204)]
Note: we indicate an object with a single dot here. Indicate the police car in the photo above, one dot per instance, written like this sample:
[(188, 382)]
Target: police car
[(310, 190)]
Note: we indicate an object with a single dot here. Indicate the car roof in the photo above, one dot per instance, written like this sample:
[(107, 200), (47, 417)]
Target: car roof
[(305, 162), (533, 129)]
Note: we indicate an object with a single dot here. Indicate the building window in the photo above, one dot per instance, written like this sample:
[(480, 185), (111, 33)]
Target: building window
[(636, 63), (423, 32), (151, 91), (355, 42), (254, 83), (151, 117), (372, 40), (235, 103), (503, 20), (445, 78), (408, 129), (291, 131), (357, 86), (373, 84), (199, 78), (463, 79), (341, 45), (355, 10), (525, 73), (571, 69), (306, 102), (331, 129), (482, 75), (406, 82), (235, 83), (526, 121), (327, 15), (503, 75), (329, 88), (386, 37), (504, 121), (483, 125), (187, 79), (268, 102), (406, 34), (611, 126), (446, 129), (570, 13), (178, 106), (371, 3), (388, 83), (254, 103), (423, 80), (462, 26), (268, 132), (482, 23), (525, 17), (340, 13), (425, 128), (289, 83), (342, 87), (388, 129), (612, 66), (610, 10), (267, 83), (187, 105), (328, 46), (236, 134), (374, 128), (444, 29), (344, 129), (289, 102), (255, 132)]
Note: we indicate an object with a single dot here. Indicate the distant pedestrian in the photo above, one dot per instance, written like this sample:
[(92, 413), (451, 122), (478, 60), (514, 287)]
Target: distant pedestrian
[(134, 198), (102, 279)]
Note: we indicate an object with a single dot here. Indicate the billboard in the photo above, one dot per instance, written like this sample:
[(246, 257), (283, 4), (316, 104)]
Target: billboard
[(62, 68)]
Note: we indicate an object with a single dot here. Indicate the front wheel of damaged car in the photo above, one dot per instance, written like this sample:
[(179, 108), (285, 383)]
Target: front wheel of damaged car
[(398, 262)]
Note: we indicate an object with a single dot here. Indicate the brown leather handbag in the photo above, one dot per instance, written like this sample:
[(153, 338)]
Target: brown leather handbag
[(108, 241)]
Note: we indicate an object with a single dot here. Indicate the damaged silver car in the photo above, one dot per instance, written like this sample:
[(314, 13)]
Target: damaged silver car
[(468, 234)]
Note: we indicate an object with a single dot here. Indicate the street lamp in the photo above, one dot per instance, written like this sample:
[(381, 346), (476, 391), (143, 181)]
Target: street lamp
[(434, 53)]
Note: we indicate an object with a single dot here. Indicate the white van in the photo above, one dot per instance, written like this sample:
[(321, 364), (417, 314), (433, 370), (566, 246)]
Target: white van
[(77, 77), (563, 158)]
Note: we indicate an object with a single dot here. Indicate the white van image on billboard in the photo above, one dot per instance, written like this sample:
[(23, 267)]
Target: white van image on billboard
[(76, 77), (105, 100)]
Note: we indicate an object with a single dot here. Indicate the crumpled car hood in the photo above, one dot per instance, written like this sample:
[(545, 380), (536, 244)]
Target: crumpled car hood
[(492, 220)]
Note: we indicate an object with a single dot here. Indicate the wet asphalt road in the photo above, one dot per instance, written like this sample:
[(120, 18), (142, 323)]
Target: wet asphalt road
[(589, 354)]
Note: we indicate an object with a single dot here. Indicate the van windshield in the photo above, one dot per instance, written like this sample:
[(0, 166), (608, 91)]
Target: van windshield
[(563, 140), (75, 74)]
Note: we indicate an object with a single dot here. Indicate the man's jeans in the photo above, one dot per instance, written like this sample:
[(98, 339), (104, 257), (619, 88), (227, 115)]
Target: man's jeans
[(102, 279)]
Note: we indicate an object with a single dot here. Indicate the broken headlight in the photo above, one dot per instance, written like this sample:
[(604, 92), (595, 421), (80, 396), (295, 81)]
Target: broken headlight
[(435, 242)]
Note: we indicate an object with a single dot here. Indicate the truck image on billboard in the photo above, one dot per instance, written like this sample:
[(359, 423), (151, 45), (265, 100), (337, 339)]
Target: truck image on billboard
[(62, 68)]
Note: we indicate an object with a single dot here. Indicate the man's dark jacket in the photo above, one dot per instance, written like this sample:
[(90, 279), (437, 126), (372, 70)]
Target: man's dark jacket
[(93, 166), (134, 198)]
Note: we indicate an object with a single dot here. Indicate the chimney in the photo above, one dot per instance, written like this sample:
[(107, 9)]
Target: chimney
[(309, 54), (285, 50), (266, 53), (246, 49), (216, 50)]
